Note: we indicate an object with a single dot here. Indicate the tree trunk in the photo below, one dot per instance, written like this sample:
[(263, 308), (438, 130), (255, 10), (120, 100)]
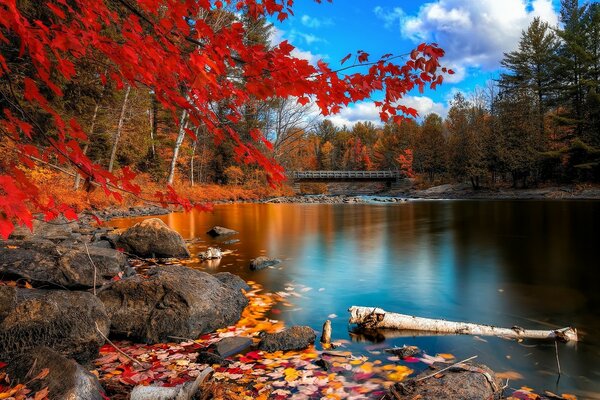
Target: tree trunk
[(178, 142), (87, 145), (153, 124), (192, 159), (373, 318), (113, 152)]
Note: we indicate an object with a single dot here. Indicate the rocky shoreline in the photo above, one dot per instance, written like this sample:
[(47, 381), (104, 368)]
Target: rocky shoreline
[(449, 192)]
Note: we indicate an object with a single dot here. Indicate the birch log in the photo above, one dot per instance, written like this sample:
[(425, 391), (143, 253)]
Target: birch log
[(370, 317)]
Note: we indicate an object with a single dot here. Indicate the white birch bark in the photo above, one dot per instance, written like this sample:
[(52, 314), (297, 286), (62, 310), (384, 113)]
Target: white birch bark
[(377, 318), (180, 136), (117, 136)]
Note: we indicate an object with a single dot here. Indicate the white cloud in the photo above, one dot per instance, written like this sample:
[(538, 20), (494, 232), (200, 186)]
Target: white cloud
[(278, 36), (474, 34), (368, 112), (391, 18), (315, 23)]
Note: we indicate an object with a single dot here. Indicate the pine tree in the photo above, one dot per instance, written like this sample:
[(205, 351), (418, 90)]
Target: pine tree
[(533, 66)]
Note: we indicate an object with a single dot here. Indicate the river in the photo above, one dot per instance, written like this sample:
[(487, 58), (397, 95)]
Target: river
[(534, 264)]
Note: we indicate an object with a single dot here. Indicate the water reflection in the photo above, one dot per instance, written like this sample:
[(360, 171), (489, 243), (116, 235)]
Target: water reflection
[(532, 264)]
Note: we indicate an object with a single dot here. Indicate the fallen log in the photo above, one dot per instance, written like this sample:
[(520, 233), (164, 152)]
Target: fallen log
[(374, 318)]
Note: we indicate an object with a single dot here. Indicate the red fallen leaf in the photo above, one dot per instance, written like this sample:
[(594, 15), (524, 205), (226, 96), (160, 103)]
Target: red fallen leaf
[(254, 355), (362, 376), (175, 382), (2, 364), (411, 360), (109, 358), (275, 311)]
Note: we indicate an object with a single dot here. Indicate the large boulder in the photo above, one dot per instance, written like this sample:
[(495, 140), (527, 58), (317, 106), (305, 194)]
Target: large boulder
[(44, 263), (467, 382), (221, 231), (153, 238), (71, 323), (57, 229), (171, 302), (294, 338), (65, 379)]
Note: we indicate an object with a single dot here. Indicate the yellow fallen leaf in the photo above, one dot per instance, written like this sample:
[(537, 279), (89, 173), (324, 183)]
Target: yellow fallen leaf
[(291, 374), (400, 373), (512, 375), (446, 356), (569, 396), (367, 367)]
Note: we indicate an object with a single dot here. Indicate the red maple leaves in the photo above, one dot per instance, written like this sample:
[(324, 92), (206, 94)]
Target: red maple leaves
[(188, 64)]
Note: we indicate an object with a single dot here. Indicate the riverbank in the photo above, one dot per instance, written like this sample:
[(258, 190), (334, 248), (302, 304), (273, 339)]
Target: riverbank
[(466, 192), (450, 192)]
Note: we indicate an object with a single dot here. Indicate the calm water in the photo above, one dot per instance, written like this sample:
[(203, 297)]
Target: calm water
[(532, 264)]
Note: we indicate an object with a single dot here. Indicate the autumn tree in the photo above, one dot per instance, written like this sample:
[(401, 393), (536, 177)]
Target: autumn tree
[(171, 49), (430, 152), (466, 130)]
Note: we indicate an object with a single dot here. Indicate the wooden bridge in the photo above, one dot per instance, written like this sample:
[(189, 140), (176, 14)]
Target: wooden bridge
[(346, 176), (391, 178)]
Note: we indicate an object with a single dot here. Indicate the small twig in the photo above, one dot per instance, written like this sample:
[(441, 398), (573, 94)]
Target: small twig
[(116, 348), (93, 265), (557, 359), (444, 369)]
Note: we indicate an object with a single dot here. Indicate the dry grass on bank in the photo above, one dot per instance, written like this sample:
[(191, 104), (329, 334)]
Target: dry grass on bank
[(60, 186)]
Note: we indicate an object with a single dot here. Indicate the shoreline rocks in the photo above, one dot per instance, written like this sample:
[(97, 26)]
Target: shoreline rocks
[(294, 338), (152, 238), (465, 381), (263, 262), (67, 322), (216, 231), (44, 263), (170, 302), (65, 379)]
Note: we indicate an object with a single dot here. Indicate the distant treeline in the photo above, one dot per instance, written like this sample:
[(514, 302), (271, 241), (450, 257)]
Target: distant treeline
[(539, 121)]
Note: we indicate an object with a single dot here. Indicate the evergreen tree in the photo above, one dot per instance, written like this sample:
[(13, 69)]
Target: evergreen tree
[(533, 66)]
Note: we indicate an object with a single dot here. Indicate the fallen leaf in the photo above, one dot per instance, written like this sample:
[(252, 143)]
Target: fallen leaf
[(512, 375)]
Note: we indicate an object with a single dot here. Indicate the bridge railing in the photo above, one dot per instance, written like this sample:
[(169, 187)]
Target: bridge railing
[(346, 175)]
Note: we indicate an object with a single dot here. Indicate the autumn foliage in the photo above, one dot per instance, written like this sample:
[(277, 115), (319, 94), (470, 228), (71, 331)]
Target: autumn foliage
[(170, 48)]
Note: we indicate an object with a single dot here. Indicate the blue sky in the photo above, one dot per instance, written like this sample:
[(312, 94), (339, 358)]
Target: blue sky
[(474, 33)]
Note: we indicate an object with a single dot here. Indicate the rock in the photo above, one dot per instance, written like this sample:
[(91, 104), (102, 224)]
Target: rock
[(212, 253), (217, 353), (294, 338), (404, 351), (233, 281), (44, 263), (475, 383), (186, 391), (64, 321), (324, 364), (171, 302), (57, 229), (206, 357), (221, 231), (263, 262), (232, 241), (65, 380), (230, 346), (153, 238), (103, 244)]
